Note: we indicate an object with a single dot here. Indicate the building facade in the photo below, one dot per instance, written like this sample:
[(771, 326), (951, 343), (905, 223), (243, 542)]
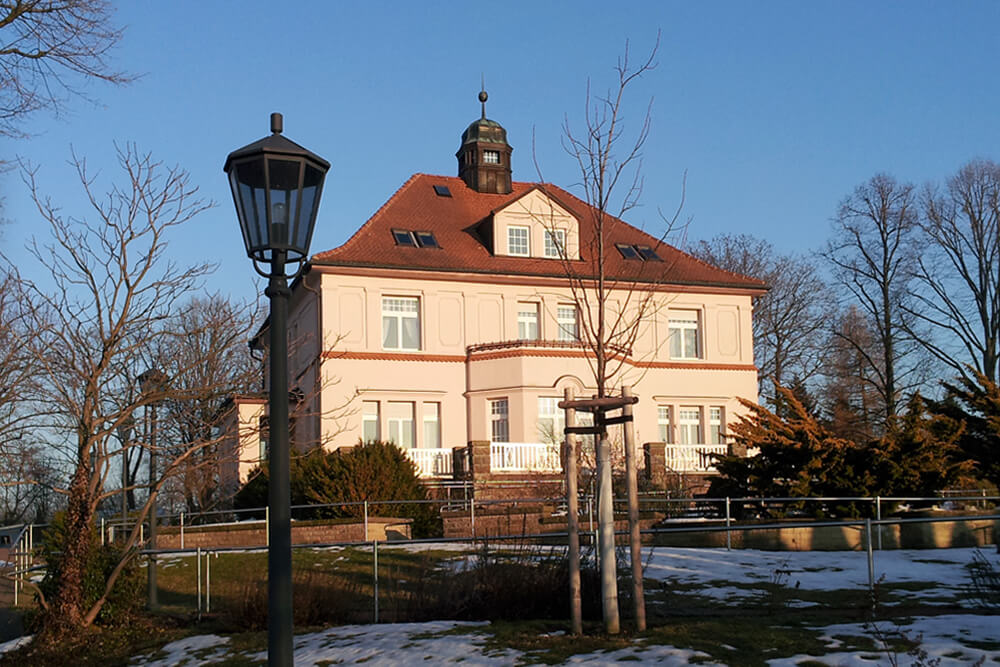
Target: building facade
[(460, 312)]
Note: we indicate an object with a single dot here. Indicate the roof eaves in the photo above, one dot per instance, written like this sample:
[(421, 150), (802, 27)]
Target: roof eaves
[(535, 274)]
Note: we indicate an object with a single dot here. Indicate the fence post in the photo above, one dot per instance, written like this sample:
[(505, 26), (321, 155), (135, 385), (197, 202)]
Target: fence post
[(198, 559), (208, 582), (17, 562), (182, 530), (102, 531), (871, 559), (729, 538), (366, 521), (267, 526), (375, 568), (472, 515), (878, 517)]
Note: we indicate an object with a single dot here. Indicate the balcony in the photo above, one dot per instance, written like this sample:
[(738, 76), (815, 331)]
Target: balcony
[(524, 457), (432, 462), (692, 458)]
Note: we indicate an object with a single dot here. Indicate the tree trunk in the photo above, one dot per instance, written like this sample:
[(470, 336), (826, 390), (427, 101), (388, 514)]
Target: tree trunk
[(67, 607)]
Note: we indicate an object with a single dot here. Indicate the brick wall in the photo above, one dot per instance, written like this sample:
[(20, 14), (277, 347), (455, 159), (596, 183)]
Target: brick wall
[(303, 532)]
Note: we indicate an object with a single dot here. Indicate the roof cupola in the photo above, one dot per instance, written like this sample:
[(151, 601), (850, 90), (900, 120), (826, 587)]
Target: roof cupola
[(484, 156)]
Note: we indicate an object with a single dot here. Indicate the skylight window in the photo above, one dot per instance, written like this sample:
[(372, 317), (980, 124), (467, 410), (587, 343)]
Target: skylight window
[(648, 253), (404, 238), (627, 251), (442, 191), (410, 239), (426, 240)]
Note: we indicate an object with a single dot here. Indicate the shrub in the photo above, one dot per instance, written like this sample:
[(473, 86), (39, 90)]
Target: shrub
[(127, 596), (372, 471)]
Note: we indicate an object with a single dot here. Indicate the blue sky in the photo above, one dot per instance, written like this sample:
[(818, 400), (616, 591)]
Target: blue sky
[(775, 110)]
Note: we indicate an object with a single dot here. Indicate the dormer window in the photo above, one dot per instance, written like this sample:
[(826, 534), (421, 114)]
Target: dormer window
[(555, 243), (491, 157), (517, 241)]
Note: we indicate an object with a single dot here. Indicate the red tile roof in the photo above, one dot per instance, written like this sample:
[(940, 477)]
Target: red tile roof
[(455, 222)]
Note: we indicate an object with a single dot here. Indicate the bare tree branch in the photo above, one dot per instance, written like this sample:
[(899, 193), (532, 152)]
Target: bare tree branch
[(48, 49)]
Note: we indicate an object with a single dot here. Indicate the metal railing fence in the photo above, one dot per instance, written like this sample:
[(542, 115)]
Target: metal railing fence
[(373, 585)]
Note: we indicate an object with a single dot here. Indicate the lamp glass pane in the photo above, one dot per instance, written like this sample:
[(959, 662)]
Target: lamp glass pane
[(311, 187), (284, 186), (251, 194)]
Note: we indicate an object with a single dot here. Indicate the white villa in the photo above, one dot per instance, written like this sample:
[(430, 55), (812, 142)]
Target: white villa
[(448, 318)]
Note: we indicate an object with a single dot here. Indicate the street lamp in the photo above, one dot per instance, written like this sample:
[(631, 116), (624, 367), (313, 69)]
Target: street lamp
[(152, 384), (125, 431), (276, 188)]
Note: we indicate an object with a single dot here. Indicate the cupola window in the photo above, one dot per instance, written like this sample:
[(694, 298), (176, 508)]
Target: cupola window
[(491, 157)]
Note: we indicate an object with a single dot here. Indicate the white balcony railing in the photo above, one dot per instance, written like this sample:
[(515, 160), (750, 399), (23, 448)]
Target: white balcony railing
[(543, 457), (524, 457), (692, 458), (432, 462)]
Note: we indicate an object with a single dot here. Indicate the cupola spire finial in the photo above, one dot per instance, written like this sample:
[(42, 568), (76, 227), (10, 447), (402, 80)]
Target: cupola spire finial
[(482, 95)]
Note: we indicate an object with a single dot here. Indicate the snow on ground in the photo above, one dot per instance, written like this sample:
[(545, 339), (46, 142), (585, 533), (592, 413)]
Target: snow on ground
[(14, 644), (940, 637), (439, 642), (809, 570), (960, 639), (200, 649)]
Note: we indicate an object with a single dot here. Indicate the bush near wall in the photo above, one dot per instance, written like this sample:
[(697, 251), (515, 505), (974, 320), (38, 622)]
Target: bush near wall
[(372, 471)]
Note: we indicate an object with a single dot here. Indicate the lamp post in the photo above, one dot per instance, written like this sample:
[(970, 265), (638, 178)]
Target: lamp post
[(151, 384), (125, 431), (276, 187)]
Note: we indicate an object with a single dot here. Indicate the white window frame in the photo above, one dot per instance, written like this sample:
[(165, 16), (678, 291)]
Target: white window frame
[(432, 421), (491, 157), (551, 420), (499, 419), (715, 422), (400, 310), (528, 318), (685, 334), (401, 428), (555, 243), (514, 245), (369, 419), (569, 327), (689, 425), (663, 424)]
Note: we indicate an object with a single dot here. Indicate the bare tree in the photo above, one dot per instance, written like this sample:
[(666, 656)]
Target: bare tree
[(851, 400), (48, 48), (113, 291), (23, 466), (206, 356), (790, 321), (613, 309), (872, 256), (957, 287), (17, 369)]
